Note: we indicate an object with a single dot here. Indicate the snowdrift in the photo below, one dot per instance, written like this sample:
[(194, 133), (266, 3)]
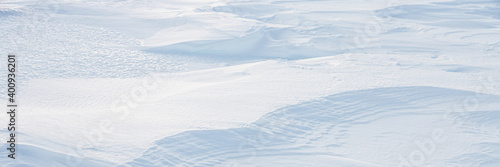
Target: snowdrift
[(378, 127)]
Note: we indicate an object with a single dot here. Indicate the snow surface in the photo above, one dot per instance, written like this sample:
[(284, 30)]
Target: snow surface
[(254, 83)]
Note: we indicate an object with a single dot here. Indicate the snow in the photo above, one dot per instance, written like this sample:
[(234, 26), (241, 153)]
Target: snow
[(357, 128), (254, 83)]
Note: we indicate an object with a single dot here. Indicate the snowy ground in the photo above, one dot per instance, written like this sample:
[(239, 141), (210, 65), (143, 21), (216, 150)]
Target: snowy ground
[(254, 83)]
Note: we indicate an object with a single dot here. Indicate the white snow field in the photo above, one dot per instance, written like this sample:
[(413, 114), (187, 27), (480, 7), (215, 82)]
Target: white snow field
[(253, 83)]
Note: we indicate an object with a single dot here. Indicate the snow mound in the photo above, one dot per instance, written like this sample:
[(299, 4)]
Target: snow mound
[(28, 156), (377, 127)]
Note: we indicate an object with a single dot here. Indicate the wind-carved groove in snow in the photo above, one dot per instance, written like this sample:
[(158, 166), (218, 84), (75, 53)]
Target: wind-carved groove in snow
[(359, 128)]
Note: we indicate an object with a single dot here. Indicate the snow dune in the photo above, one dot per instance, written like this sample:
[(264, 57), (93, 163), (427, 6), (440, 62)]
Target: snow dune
[(423, 126), (255, 83)]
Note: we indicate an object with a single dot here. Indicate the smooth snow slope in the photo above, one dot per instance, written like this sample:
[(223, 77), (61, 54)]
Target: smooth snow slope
[(254, 83)]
